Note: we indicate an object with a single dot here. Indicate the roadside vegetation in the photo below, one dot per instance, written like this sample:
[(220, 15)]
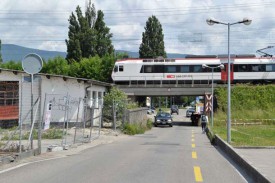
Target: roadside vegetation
[(136, 128), (52, 133), (252, 115)]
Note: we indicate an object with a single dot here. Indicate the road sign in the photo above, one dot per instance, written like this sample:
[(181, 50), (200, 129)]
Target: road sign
[(208, 103)]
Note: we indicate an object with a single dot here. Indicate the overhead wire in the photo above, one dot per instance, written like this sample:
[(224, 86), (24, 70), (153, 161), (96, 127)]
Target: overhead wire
[(134, 12)]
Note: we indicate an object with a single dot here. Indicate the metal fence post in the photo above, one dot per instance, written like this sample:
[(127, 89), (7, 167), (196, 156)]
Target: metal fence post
[(114, 115), (92, 121), (40, 128), (20, 117), (79, 101)]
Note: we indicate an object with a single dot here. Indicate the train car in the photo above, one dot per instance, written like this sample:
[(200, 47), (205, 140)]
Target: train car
[(189, 70)]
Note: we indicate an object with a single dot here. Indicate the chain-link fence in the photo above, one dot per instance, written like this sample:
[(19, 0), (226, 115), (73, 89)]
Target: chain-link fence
[(68, 120), (114, 114)]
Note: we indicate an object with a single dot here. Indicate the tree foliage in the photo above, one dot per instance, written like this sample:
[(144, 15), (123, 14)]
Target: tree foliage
[(12, 65), (88, 35), (58, 66), (103, 39), (152, 44), (248, 101), (1, 52), (114, 97)]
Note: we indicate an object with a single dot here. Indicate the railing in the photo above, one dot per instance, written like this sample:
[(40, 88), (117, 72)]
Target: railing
[(142, 81)]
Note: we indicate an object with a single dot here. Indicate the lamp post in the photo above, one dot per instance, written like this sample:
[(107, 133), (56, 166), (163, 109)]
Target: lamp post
[(221, 66), (245, 21)]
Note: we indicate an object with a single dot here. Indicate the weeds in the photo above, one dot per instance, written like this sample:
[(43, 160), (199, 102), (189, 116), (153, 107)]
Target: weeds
[(136, 128), (52, 133)]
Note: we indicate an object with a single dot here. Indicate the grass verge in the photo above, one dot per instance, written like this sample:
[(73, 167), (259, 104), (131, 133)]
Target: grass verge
[(249, 135)]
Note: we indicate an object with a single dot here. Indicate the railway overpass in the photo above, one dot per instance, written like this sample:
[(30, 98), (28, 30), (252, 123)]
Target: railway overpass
[(166, 89)]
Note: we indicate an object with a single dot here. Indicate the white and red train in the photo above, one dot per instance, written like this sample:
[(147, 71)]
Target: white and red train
[(189, 70)]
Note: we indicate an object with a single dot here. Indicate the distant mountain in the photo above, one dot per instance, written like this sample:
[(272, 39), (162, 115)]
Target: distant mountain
[(17, 53)]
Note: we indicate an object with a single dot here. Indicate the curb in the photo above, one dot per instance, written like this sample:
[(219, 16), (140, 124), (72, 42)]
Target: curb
[(251, 171), (18, 156)]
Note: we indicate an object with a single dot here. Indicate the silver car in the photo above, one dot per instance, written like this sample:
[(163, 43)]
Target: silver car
[(189, 112)]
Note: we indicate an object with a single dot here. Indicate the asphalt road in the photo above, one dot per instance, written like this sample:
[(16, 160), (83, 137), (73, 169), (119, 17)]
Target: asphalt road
[(175, 154)]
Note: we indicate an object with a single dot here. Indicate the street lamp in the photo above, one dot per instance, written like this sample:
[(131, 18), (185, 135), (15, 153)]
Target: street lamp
[(245, 21), (221, 66)]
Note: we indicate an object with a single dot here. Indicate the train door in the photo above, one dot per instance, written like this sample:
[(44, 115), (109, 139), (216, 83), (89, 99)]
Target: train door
[(225, 71)]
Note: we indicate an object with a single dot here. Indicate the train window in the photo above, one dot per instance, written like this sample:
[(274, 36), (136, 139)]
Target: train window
[(158, 60), (197, 68), (149, 60), (270, 67), (236, 68), (184, 68), (116, 69), (170, 69), (255, 68), (242, 68), (148, 68), (120, 68), (262, 67), (206, 69), (158, 68), (169, 60)]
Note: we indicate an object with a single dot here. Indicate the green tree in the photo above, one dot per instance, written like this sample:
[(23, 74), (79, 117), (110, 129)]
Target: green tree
[(12, 65), (91, 68), (107, 65), (152, 45), (58, 66), (88, 35), (73, 43), (114, 97), (103, 39), (75, 69), (1, 52)]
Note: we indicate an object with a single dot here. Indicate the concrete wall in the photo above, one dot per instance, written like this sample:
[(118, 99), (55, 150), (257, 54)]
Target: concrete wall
[(234, 156), (136, 116)]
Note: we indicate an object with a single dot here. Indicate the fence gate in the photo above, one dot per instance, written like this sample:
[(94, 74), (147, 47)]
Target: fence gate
[(69, 120)]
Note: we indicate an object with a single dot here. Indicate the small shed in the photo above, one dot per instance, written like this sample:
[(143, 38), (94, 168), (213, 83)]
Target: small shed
[(15, 96)]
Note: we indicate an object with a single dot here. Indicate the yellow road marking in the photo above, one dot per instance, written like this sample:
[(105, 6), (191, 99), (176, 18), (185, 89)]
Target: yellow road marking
[(193, 136), (194, 155), (192, 140), (193, 145), (197, 172)]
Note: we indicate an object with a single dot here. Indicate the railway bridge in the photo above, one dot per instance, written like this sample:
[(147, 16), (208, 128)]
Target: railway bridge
[(167, 89)]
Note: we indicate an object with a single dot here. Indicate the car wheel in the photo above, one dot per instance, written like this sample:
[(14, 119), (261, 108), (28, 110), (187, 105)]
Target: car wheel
[(171, 125), (155, 125)]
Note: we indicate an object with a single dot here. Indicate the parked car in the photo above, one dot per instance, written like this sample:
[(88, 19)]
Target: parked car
[(163, 118), (151, 110), (189, 112), (174, 109)]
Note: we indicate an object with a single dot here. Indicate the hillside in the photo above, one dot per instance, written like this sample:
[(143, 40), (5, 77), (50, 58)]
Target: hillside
[(17, 53)]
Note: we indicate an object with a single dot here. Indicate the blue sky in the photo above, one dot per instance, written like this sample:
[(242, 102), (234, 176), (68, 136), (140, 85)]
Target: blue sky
[(44, 24)]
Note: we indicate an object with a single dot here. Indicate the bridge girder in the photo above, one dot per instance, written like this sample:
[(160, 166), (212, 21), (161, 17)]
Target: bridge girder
[(165, 91)]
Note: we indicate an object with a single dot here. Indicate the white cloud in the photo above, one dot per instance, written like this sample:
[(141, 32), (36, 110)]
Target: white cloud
[(44, 24)]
